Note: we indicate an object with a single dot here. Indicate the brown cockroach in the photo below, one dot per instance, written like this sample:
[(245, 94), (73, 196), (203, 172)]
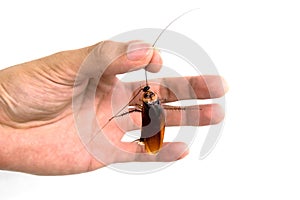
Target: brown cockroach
[(153, 119), (152, 112), (153, 122)]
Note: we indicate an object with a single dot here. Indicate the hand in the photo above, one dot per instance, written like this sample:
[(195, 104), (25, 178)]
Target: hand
[(38, 132)]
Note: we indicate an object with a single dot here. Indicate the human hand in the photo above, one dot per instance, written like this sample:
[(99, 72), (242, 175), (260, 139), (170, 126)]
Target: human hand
[(38, 132)]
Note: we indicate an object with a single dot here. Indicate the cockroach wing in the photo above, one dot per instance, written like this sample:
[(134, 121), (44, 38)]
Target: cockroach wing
[(153, 126)]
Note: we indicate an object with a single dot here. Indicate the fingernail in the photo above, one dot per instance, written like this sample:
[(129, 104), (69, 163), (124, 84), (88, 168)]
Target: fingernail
[(138, 50)]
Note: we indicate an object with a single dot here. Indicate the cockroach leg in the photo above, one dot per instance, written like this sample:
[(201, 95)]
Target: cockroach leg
[(140, 142), (139, 106), (163, 100), (126, 113), (167, 107)]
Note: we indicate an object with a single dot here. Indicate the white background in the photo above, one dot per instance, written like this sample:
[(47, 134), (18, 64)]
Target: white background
[(254, 44)]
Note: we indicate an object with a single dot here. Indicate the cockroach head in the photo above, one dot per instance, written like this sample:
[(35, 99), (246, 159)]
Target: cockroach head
[(149, 97), (146, 88)]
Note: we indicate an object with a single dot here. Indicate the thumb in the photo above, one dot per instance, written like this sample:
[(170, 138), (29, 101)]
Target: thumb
[(111, 58)]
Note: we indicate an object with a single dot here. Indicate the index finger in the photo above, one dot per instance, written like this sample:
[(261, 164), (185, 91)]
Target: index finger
[(184, 88)]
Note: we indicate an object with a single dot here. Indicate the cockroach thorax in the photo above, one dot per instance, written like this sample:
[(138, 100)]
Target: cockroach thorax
[(149, 97)]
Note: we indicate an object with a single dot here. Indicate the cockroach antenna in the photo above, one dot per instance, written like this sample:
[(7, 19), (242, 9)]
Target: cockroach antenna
[(161, 33)]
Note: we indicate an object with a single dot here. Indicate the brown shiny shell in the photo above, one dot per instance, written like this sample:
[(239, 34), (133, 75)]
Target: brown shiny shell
[(153, 123)]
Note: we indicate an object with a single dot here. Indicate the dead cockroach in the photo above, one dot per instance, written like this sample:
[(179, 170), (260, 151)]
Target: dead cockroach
[(152, 112), (153, 119)]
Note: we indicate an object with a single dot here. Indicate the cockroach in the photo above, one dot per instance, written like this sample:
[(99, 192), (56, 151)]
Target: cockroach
[(152, 112), (153, 120)]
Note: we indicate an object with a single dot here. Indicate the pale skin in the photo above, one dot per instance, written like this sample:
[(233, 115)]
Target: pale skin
[(38, 132)]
